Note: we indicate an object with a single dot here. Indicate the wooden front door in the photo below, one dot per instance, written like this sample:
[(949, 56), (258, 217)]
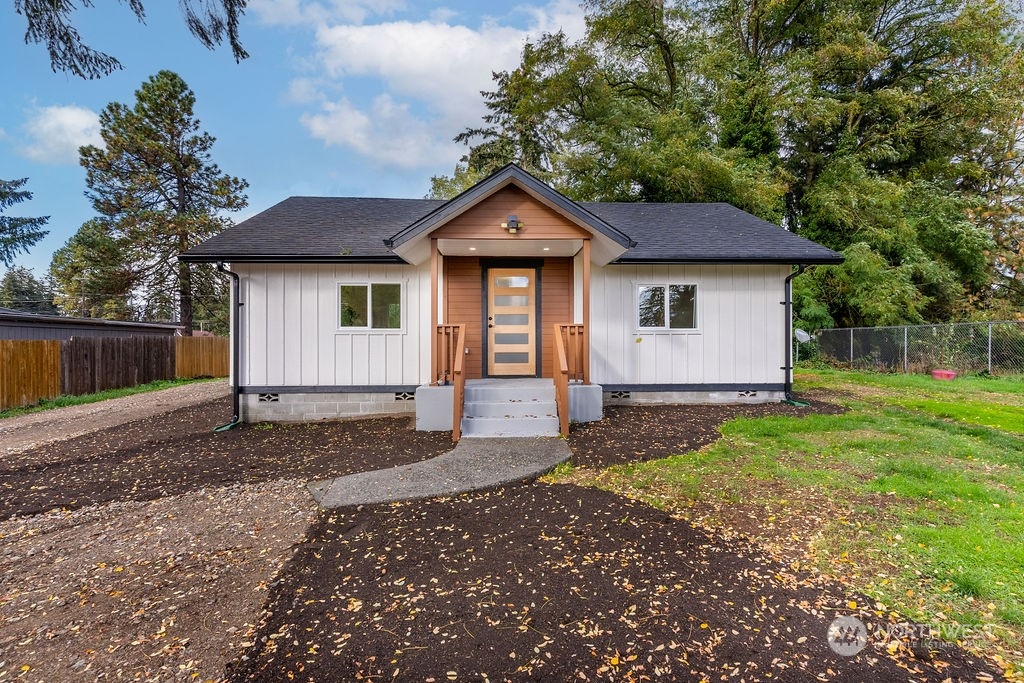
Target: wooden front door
[(511, 321)]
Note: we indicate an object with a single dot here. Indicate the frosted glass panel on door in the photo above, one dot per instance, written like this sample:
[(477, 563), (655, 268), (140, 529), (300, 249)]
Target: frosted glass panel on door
[(513, 338), (504, 300), (512, 319), (514, 281), (511, 357)]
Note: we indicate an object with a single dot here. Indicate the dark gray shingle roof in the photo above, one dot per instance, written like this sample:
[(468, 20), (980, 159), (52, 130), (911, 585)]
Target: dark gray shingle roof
[(324, 229), (316, 229), (712, 232)]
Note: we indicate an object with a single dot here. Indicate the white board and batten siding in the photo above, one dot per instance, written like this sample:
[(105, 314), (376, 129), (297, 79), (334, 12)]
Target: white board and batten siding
[(739, 335), (291, 335)]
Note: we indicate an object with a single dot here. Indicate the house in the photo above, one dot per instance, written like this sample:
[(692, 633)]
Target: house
[(21, 325), (349, 306)]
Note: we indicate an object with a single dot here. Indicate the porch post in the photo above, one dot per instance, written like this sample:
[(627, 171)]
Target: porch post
[(433, 310), (586, 311)]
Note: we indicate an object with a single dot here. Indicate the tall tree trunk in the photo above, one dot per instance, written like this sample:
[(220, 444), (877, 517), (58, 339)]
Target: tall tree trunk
[(184, 269), (185, 296)]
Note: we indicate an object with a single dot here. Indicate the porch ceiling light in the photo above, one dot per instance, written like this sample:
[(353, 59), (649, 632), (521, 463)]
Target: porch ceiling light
[(512, 224)]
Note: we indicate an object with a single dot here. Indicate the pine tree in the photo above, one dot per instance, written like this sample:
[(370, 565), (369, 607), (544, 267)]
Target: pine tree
[(16, 233), (156, 186), (49, 22)]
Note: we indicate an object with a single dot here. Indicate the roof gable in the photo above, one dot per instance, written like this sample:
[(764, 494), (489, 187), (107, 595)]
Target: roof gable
[(408, 243)]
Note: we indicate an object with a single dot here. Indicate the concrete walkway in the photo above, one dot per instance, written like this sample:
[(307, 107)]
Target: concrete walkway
[(475, 463)]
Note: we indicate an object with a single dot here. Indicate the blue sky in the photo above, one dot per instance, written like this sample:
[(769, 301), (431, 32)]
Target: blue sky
[(338, 97)]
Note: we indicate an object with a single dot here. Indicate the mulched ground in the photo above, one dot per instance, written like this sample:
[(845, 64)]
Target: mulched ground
[(552, 583), (178, 452), (527, 582), (647, 432)]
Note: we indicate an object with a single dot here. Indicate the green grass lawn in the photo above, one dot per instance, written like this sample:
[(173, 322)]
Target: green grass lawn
[(64, 401), (914, 497)]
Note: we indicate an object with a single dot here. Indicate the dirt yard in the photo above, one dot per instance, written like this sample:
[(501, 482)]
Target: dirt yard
[(160, 550)]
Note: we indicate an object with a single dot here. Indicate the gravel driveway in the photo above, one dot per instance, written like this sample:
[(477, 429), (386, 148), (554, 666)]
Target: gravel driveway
[(29, 431)]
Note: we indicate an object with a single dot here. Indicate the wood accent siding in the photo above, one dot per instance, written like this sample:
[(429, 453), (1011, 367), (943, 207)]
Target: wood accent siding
[(463, 304), (483, 221), (555, 306)]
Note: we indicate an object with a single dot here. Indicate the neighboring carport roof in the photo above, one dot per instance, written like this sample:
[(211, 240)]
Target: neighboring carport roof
[(11, 315)]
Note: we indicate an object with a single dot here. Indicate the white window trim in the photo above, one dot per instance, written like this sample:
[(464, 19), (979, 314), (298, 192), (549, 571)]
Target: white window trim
[(696, 329), (402, 288)]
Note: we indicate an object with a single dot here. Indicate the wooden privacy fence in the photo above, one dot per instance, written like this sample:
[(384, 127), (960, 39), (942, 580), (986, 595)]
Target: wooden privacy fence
[(33, 370), (29, 371), (202, 357), (90, 364)]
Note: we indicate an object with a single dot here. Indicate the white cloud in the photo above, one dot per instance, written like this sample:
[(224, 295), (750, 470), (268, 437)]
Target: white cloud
[(443, 15), (440, 65), (410, 85), (388, 133), (299, 12), (55, 133), (303, 91)]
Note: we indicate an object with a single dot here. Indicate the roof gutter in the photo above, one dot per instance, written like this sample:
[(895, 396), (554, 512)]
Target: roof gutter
[(788, 336), (235, 330), (287, 258), (751, 260)]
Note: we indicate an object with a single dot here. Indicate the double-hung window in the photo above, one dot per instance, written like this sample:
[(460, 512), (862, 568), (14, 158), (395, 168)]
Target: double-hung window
[(666, 307), (370, 306)]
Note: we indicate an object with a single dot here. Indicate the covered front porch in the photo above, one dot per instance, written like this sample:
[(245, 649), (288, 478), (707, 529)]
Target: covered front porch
[(507, 406), (510, 296)]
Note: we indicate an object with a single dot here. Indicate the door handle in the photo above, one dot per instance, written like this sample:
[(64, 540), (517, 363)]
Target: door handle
[(490, 325)]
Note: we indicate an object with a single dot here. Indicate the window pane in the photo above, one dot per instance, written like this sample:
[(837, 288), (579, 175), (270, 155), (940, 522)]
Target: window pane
[(511, 357), (682, 307), (353, 305), (387, 306), (514, 338), (652, 306), (512, 281), (512, 319), (511, 300)]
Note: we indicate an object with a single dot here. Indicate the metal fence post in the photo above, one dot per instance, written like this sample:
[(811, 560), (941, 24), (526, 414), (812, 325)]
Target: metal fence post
[(990, 348), (906, 351), (851, 348)]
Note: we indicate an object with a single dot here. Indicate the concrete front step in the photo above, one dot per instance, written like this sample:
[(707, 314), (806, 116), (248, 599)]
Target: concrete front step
[(504, 427), (510, 409), (486, 391)]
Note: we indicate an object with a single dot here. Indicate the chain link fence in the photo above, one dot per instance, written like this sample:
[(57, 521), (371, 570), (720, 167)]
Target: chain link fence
[(993, 347)]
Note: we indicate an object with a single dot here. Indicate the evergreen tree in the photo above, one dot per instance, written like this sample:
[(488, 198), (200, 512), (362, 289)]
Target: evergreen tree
[(93, 276), (21, 290), (49, 22), (158, 190), (17, 234)]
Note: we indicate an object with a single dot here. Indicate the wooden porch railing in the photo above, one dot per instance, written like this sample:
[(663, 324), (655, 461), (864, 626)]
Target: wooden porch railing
[(570, 364), (576, 353), (449, 364), (459, 376), (446, 350)]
